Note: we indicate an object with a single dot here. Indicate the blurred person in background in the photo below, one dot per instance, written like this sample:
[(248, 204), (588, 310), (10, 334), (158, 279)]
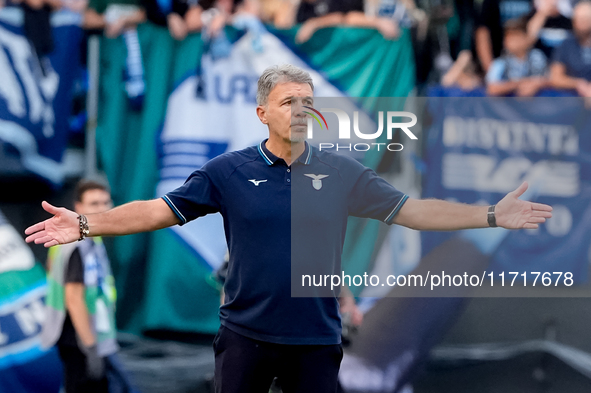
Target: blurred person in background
[(80, 317), (223, 12), (521, 70), (386, 17), (464, 73), (571, 64), (114, 16), (180, 17), (120, 18), (488, 37), (241, 14), (37, 27), (550, 24)]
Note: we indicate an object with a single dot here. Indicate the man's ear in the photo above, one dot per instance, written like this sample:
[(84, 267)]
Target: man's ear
[(262, 114)]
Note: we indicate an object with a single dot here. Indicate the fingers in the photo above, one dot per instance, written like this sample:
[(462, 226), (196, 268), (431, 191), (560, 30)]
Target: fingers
[(542, 207), (49, 208), (537, 213), (530, 226), (521, 189), (538, 220), (35, 228), (43, 239), (35, 236), (51, 243)]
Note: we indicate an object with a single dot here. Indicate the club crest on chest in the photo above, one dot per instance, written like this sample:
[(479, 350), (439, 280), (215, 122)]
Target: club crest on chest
[(316, 180)]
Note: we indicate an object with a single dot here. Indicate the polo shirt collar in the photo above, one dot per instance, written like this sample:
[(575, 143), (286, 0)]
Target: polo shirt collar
[(271, 158)]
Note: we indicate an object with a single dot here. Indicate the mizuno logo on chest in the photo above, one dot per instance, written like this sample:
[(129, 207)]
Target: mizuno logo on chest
[(257, 182)]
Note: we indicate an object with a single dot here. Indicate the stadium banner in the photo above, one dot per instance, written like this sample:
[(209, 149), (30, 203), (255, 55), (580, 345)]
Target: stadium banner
[(196, 107), (24, 366), (35, 96), (479, 149)]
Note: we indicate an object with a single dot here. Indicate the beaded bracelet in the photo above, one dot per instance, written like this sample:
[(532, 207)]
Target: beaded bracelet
[(84, 228)]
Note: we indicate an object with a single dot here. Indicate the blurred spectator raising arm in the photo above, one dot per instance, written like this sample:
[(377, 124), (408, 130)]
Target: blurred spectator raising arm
[(571, 66), (549, 25), (489, 31), (113, 16), (317, 14)]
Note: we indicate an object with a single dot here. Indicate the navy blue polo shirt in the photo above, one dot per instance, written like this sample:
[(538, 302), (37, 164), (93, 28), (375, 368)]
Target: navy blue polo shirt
[(280, 220)]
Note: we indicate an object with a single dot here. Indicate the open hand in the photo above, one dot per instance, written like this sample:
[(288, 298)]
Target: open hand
[(513, 213), (62, 228)]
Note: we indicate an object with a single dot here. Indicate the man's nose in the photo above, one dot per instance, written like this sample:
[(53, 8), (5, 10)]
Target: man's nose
[(296, 109)]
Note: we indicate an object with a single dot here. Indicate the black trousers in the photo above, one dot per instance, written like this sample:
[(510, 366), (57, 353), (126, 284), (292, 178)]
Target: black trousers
[(244, 365), (76, 379)]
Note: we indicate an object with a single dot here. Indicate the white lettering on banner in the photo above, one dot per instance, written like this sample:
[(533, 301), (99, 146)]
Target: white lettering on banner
[(39, 90), (30, 318), (478, 172), (228, 87), (511, 136)]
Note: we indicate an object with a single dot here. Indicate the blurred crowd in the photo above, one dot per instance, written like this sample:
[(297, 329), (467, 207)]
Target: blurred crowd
[(505, 46), (521, 47)]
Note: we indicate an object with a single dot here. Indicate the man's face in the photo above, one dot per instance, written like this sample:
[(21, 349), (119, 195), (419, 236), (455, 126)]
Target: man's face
[(582, 24), (284, 113), (94, 201)]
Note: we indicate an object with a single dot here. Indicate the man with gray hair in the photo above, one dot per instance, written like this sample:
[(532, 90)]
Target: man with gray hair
[(284, 204)]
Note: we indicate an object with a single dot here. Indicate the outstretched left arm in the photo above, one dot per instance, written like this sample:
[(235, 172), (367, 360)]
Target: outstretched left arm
[(438, 215)]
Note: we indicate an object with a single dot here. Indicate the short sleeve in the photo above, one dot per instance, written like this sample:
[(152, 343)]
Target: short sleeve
[(373, 197), (496, 71), (196, 198), (74, 270)]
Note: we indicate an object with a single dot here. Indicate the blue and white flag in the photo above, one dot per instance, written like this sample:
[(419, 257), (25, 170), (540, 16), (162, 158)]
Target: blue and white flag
[(35, 100)]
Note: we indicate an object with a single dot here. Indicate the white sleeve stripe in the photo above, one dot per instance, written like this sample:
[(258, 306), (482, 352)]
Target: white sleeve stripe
[(176, 210), (398, 205)]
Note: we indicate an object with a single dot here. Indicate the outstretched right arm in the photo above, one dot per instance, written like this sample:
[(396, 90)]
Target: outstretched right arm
[(133, 217)]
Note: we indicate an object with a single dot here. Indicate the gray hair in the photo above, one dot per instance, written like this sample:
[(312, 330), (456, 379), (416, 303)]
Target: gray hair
[(283, 73)]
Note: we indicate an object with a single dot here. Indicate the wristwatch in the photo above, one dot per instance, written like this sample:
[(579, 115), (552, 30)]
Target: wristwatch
[(492, 220)]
